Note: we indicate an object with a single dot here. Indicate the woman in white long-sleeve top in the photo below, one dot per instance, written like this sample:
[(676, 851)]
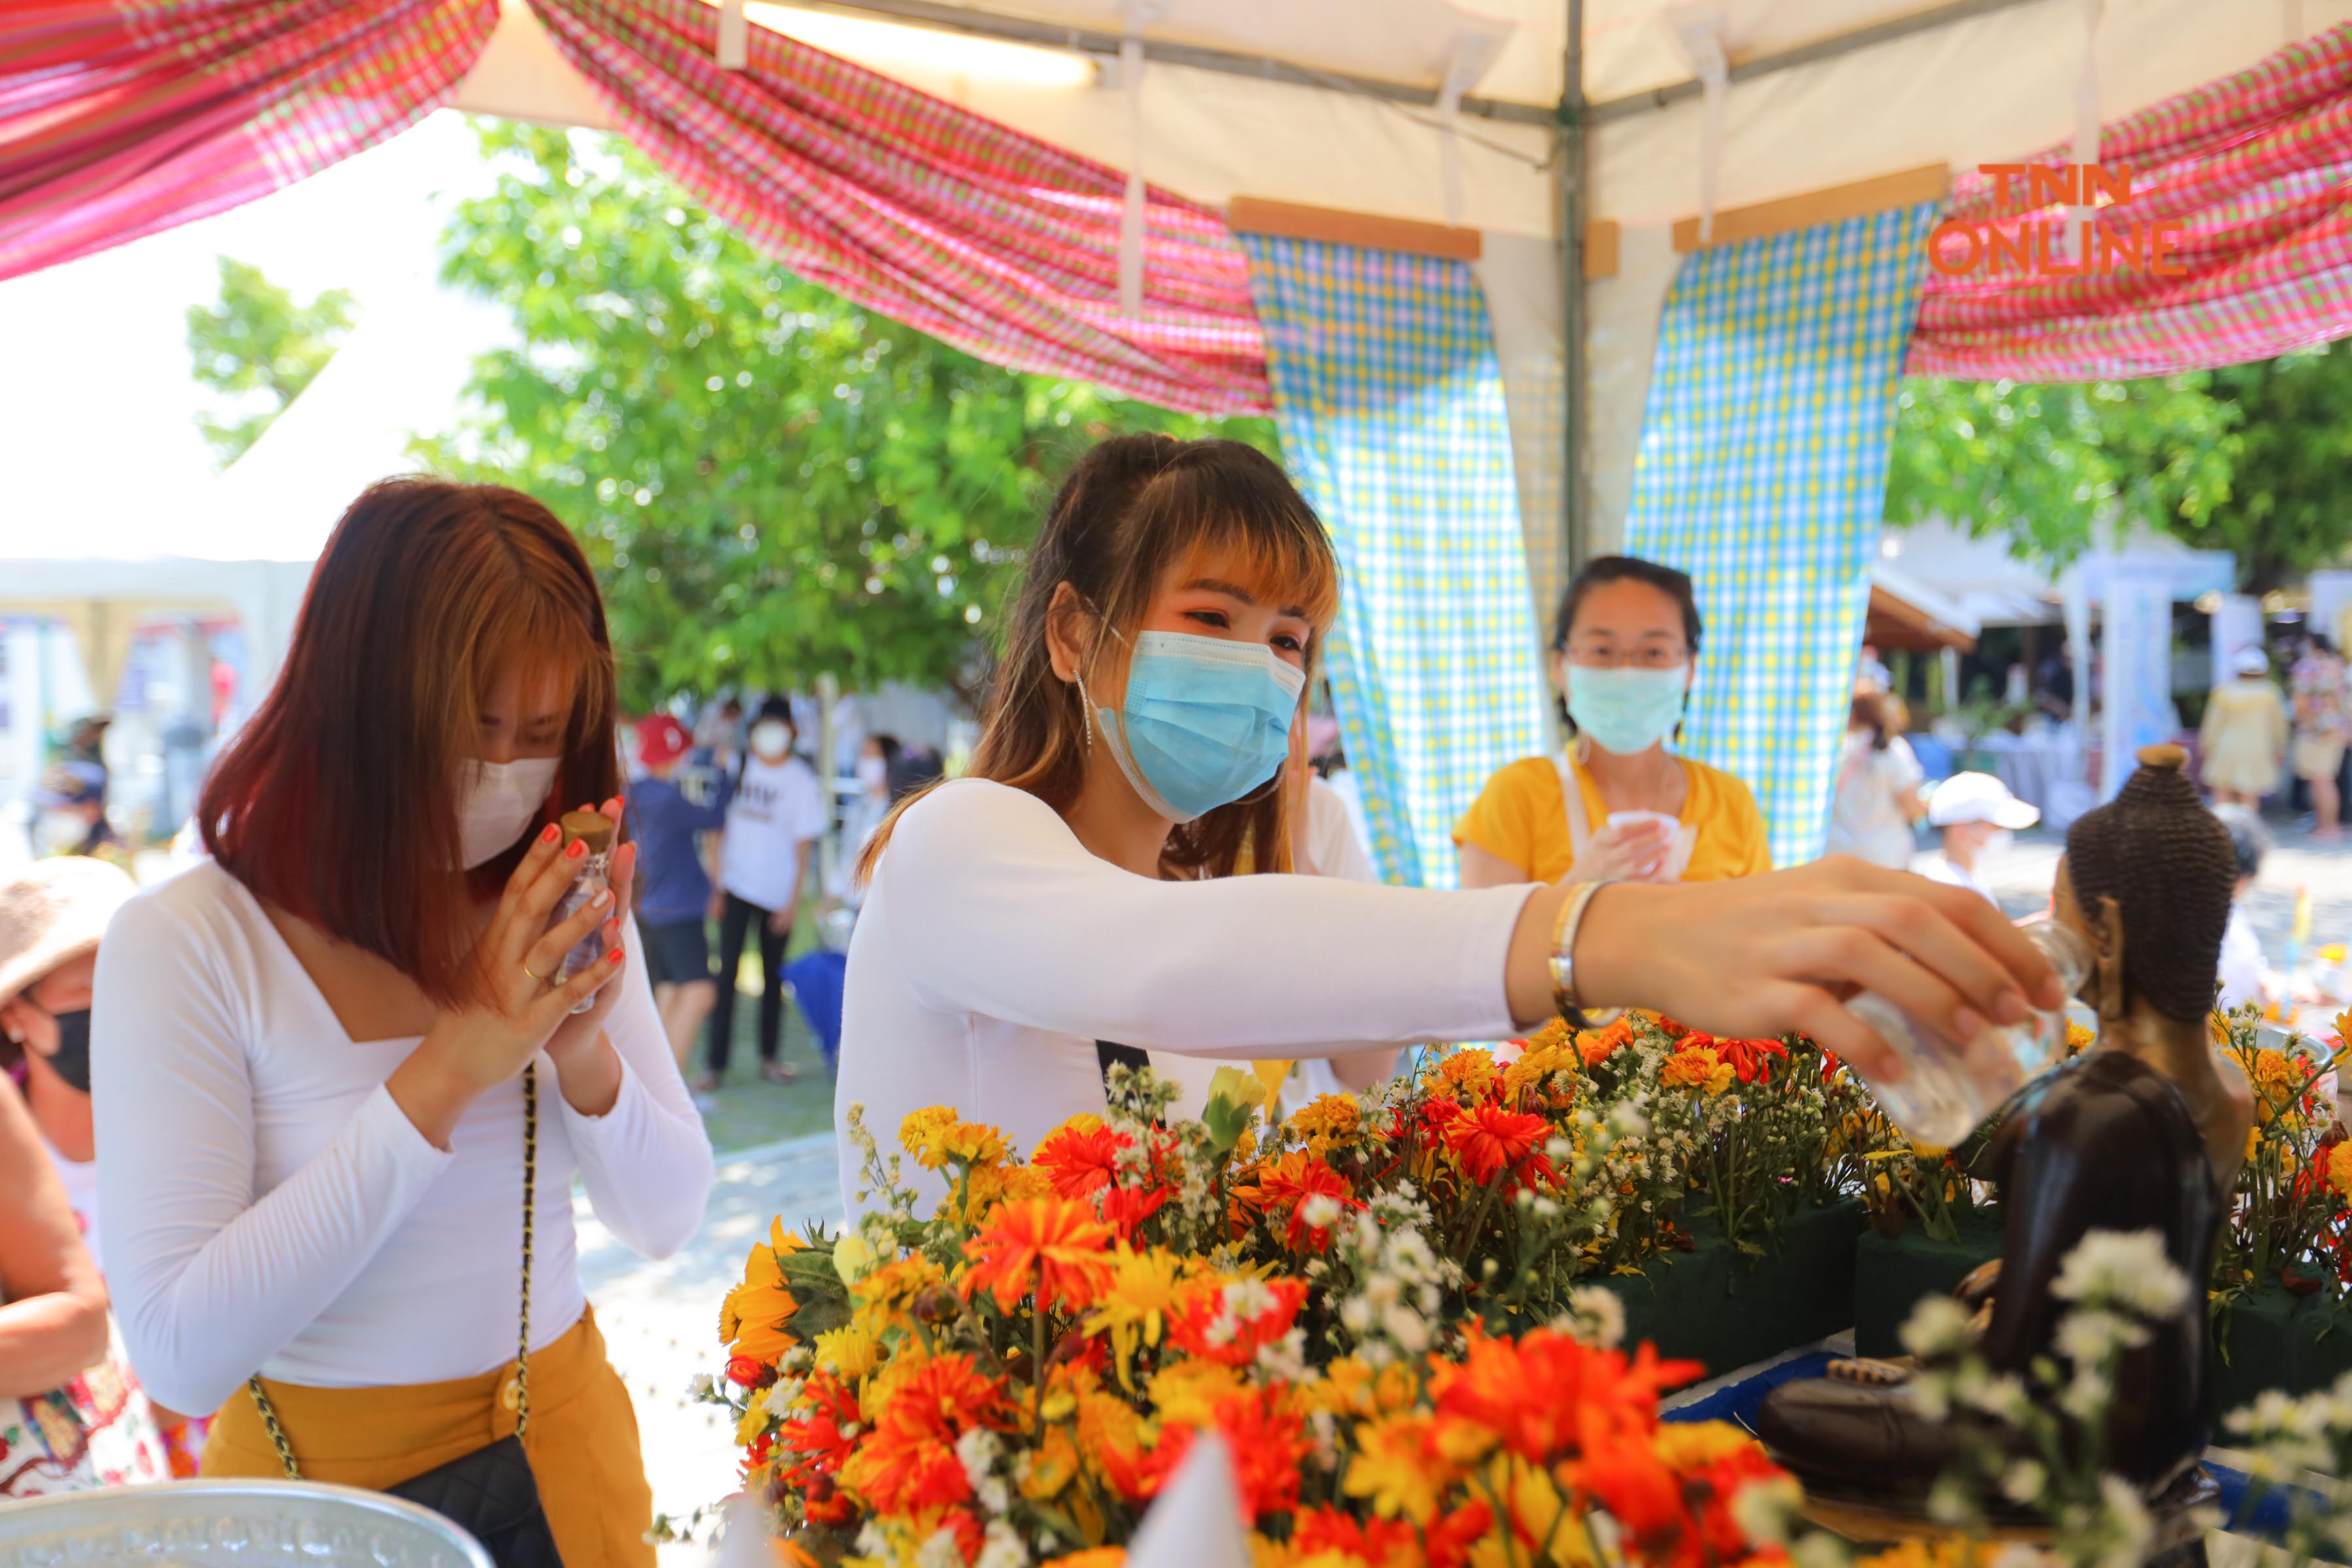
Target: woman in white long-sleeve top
[(317, 1054), (1080, 895)]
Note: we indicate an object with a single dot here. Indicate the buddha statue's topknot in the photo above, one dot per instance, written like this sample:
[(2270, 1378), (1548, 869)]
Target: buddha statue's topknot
[(2167, 863)]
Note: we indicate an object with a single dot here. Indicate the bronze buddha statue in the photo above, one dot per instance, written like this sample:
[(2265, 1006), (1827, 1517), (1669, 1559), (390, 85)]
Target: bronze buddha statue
[(2144, 1130)]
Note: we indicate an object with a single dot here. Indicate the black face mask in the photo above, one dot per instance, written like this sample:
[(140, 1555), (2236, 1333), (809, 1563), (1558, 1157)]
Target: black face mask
[(72, 1061)]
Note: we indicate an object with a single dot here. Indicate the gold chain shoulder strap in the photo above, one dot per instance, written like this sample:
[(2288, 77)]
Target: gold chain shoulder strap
[(522, 1353)]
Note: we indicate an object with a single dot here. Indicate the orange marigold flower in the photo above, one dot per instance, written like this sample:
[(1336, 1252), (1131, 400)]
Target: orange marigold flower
[(1080, 1160), (908, 1461), (1596, 1046), (1700, 1070), (1489, 1141), (1468, 1074), (2339, 1169), (1051, 1245)]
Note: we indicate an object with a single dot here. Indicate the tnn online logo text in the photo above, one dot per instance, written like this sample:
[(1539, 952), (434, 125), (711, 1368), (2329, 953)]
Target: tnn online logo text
[(2076, 245)]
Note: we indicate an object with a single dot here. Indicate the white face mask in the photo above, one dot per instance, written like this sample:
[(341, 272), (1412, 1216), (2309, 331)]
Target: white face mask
[(496, 801), (872, 772), (772, 738)]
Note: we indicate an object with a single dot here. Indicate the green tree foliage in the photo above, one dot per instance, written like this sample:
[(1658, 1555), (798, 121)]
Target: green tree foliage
[(2253, 458), (2039, 464), (259, 347), (2289, 503), (771, 483)]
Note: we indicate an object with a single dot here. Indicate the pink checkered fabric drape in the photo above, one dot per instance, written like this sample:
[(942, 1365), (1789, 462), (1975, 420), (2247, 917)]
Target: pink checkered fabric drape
[(2257, 168), (120, 118), (987, 238)]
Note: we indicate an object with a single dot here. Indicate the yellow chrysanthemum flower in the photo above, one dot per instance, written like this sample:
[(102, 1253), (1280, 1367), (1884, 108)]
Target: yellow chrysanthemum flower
[(849, 1351), (1133, 1308), (1188, 1392), (751, 1319), (1688, 1445), (1395, 1468)]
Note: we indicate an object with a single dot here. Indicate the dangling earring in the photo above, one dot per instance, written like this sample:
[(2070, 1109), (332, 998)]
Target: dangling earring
[(1086, 712)]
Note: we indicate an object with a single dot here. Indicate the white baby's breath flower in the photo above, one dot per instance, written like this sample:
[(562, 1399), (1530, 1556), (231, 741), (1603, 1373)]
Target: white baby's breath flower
[(1003, 1548), (2123, 1268), (1596, 1315), (1406, 1327), (940, 1551), (1820, 1549), (1765, 1510), (1948, 1503), (2125, 1521), (2089, 1336), (1320, 1212), (703, 1388), (2022, 1482), (1355, 1315), (1939, 1326)]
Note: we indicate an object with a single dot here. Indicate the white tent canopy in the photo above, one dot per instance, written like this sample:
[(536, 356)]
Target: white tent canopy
[(1343, 104), (245, 547), (1336, 103)]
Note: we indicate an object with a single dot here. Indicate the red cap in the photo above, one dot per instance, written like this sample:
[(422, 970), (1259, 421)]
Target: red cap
[(661, 740)]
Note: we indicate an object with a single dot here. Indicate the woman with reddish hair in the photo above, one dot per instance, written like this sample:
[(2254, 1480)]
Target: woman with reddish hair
[(331, 1061)]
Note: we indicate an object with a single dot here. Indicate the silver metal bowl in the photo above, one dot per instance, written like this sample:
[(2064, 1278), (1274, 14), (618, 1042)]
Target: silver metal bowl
[(231, 1524)]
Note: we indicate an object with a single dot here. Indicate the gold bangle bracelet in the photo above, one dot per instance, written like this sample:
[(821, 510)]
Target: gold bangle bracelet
[(1563, 957)]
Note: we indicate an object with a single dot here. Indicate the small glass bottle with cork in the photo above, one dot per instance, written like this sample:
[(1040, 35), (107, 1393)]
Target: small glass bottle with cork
[(594, 831)]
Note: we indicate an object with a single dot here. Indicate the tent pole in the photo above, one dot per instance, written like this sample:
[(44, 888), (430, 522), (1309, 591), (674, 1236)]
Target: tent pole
[(1575, 527)]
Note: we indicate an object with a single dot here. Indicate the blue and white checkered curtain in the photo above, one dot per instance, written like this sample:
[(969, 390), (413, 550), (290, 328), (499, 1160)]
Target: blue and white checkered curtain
[(1763, 474), (1391, 408)]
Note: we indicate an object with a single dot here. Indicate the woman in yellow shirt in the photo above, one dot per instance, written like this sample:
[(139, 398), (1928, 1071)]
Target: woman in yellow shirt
[(1620, 659)]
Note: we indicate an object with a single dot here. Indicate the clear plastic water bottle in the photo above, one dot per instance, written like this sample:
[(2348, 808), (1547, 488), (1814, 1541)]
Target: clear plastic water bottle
[(1952, 1084), (593, 830)]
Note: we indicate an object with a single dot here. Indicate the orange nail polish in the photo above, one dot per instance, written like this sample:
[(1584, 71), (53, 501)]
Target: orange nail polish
[(578, 850), (548, 835)]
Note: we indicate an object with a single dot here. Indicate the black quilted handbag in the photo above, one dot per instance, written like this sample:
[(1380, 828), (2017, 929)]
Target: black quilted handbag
[(491, 1493)]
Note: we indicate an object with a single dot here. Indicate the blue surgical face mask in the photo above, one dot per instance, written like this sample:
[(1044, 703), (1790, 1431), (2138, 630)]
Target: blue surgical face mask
[(1205, 720), (1626, 710)]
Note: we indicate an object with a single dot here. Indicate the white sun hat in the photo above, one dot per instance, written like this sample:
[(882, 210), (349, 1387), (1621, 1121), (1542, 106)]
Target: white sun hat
[(1978, 797), (54, 912)]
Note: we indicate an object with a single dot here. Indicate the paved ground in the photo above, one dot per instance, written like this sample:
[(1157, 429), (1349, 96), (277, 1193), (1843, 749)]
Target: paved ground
[(661, 1318)]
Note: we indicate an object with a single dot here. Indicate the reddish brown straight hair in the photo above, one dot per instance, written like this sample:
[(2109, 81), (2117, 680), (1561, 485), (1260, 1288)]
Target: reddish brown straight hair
[(337, 802)]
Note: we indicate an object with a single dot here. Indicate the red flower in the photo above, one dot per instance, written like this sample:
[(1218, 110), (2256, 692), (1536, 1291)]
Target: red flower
[(1285, 1186), (750, 1372), (1750, 1058), (1230, 1323), (1452, 1536), (1124, 1208), (908, 1461), (1267, 1448), (1381, 1542), (1546, 1395), (1080, 1162), (1489, 1141), (818, 1442)]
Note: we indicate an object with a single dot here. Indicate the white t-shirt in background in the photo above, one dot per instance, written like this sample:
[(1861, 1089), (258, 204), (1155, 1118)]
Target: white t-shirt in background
[(1937, 868), (778, 808), (81, 1180), (2242, 961), (1866, 813)]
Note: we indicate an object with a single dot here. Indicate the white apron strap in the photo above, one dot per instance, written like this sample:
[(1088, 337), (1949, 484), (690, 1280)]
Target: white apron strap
[(1571, 795)]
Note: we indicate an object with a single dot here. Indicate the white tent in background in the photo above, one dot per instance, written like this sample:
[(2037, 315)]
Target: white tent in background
[(245, 546)]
